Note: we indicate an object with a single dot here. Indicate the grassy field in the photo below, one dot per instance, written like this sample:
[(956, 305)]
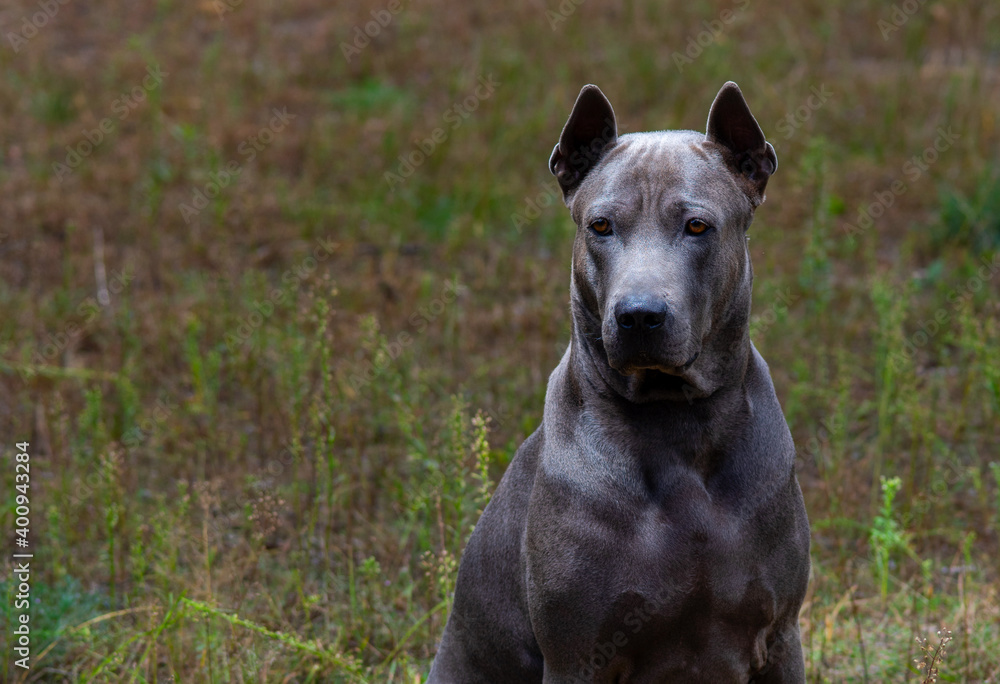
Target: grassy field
[(281, 285)]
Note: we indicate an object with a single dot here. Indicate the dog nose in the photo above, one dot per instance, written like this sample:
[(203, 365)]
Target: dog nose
[(640, 314)]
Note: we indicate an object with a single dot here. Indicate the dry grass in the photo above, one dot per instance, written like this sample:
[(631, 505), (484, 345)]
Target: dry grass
[(220, 492)]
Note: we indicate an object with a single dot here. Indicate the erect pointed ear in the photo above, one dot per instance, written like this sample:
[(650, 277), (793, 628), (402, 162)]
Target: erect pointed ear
[(731, 125), (588, 133)]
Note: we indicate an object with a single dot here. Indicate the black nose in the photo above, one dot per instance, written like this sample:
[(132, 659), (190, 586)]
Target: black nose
[(640, 313)]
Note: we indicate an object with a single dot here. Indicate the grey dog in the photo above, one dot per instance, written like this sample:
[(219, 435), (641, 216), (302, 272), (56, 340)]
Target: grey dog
[(652, 529)]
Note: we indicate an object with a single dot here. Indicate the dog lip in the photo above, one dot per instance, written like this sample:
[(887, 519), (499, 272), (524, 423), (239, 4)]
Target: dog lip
[(641, 365)]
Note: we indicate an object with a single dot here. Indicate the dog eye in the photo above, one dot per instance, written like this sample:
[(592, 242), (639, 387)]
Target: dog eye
[(601, 226), (696, 226)]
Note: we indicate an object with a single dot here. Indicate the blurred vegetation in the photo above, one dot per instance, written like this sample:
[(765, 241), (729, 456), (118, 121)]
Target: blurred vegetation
[(255, 451)]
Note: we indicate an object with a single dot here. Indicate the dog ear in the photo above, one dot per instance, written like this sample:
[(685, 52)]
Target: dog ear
[(588, 132), (731, 125)]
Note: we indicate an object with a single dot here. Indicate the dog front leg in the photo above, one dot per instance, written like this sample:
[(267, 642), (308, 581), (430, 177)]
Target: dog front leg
[(785, 664)]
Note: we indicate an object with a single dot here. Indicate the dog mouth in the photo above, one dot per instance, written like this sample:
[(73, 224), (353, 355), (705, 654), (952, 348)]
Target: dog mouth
[(660, 376), (652, 382), (643, 365)]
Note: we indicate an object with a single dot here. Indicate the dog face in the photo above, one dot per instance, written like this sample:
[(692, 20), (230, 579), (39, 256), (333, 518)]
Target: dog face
[(660, 260)]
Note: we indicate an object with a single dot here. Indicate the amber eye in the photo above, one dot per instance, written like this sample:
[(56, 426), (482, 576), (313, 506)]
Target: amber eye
[(696, 226), (601, 226)]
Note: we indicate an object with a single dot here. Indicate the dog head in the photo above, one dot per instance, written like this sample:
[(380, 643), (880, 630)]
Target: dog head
[(661, 271)]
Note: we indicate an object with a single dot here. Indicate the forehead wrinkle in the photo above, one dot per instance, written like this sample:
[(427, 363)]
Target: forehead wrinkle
[(641, 156), (699, 151), (661, 170), (701, 181)]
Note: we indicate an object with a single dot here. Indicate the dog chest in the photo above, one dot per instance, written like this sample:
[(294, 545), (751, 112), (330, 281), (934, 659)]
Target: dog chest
[(684, 572)]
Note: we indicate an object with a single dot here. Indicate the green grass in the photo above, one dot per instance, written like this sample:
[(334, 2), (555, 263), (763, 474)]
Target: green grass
[(253, 465)]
